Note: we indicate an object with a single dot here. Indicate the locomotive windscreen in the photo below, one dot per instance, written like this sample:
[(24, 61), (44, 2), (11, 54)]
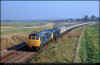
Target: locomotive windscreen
[(34, 36)]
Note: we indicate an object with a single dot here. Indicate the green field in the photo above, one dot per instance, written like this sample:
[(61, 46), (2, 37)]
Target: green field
[(21, 30), (18, 27), (19, 23), (90, 46)]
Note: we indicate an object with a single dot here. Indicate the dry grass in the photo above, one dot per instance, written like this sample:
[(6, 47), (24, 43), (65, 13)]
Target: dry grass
[(10, 41)]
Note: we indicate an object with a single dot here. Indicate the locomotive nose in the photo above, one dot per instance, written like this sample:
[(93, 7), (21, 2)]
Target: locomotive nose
[(34, 43)]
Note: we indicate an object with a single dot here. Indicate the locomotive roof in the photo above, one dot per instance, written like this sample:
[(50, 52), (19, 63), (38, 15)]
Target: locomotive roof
[(47, 31)]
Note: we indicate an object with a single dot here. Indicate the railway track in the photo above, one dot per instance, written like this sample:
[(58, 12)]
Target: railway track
[(17, 54), (14, 56)]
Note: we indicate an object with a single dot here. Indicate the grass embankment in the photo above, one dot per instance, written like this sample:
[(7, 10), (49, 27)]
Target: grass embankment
[(60, 51), (90, 46)]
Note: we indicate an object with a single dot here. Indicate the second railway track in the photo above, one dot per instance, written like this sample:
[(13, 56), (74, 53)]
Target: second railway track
[(17, 56)]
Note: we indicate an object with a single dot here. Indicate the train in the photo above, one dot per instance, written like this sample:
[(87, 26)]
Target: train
[(38, 39)]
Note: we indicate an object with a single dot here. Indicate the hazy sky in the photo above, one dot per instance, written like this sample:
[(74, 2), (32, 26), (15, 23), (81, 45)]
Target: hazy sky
[(28, 10)]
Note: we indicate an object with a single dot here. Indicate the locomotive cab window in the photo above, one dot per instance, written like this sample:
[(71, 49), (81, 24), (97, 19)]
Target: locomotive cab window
[(34, 37), (37, 37)]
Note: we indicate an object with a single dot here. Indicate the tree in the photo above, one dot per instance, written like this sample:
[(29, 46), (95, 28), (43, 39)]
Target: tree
[(93, 17), (85, 18)]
